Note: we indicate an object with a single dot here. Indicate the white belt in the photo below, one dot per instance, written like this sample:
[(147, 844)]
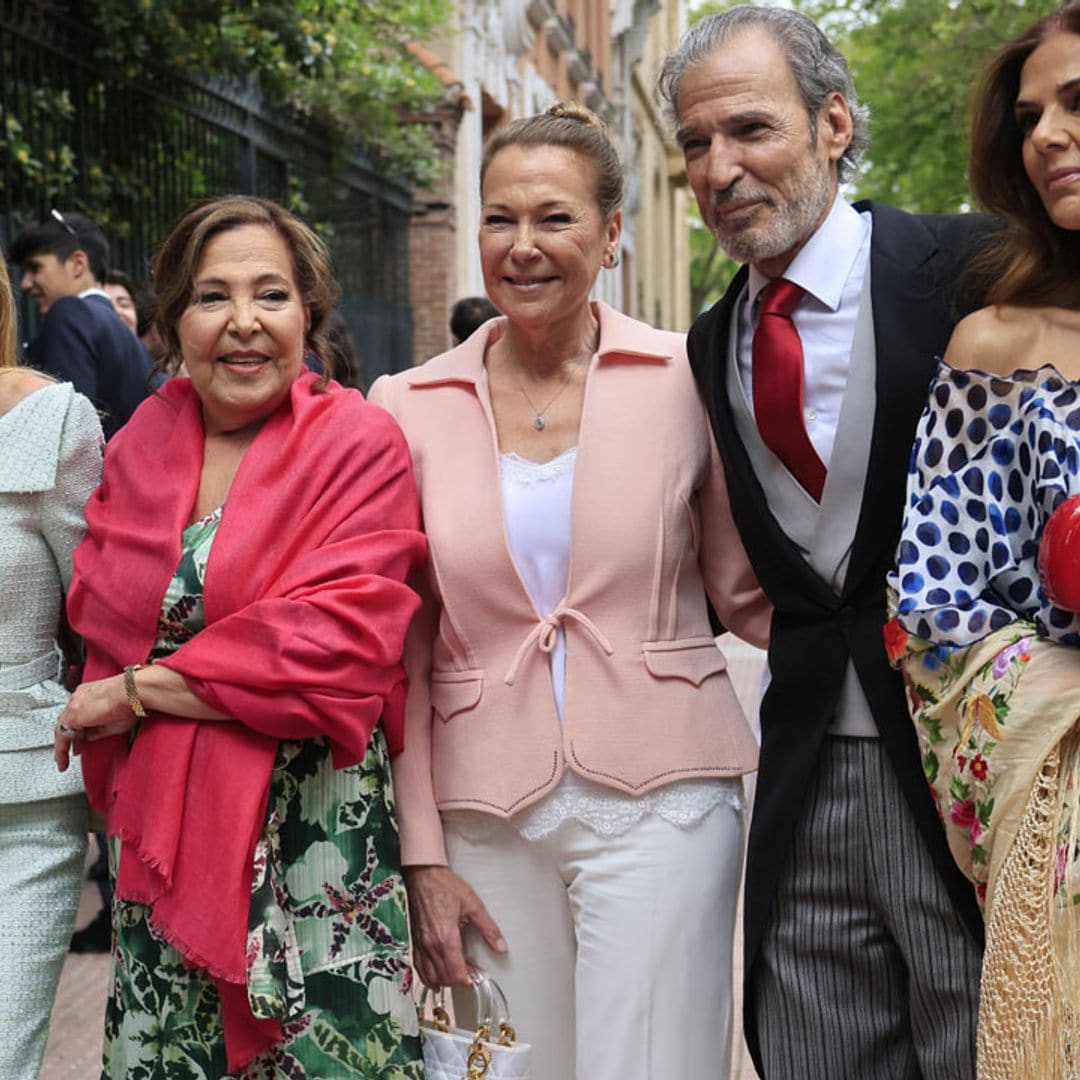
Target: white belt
[(30, 673), (26, 716)]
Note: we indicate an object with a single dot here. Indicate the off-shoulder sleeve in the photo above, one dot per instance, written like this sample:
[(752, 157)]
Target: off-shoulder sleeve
[(78, 472), (992, 458)]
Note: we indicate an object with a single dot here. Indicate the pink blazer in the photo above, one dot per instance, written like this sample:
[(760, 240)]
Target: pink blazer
[(647, 698)]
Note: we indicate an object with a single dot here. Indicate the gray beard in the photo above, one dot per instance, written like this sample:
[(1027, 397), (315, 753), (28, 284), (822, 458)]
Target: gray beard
[(785, 231)]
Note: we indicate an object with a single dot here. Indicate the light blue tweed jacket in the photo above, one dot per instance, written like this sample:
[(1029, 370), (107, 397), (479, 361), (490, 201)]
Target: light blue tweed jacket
[(50, 462)]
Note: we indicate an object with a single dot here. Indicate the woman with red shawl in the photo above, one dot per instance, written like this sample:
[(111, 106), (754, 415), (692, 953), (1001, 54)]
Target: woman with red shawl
[(242, 594)]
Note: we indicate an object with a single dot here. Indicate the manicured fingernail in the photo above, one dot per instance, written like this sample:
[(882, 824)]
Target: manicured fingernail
[(500, 945)]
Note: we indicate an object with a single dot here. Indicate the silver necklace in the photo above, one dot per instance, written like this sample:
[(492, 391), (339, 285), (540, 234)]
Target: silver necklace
[(538, 414)]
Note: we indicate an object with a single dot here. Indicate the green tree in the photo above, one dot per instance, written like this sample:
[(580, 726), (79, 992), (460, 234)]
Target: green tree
[(914, 63), (343, 62), (710, 268)]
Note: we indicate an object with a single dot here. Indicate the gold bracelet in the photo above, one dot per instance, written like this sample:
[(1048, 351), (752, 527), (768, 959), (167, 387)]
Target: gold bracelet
[(132, 691)]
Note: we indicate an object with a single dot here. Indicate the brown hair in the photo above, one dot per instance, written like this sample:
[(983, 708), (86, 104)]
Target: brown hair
[(9, 342), (1033, 261), (178, 260), (573, 127)]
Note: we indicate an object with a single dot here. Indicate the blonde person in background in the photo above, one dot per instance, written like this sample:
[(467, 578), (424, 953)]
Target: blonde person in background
[(50, 461), (571, 791)]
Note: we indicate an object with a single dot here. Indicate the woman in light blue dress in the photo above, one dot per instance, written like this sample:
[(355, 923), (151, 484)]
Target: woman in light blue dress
[(50, 461)]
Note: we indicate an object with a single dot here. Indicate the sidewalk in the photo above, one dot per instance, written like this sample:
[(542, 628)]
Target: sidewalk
[(78, 1018), (74, 1050)]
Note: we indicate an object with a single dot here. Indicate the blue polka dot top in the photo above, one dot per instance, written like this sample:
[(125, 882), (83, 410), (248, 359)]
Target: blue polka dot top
[(993, 457)]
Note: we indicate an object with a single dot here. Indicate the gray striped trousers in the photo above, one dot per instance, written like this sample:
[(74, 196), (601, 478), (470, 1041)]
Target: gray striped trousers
[(865, 972)]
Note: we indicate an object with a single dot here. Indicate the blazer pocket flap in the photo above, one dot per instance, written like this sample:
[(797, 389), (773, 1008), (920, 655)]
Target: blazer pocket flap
[(453, 692), (692, 659)]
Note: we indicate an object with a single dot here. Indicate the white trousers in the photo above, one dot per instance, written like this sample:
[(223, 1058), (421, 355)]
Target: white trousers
[(42, 846), (620, 948)]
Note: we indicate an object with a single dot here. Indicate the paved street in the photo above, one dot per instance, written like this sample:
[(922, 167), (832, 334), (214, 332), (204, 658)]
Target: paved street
[(74, 1051)]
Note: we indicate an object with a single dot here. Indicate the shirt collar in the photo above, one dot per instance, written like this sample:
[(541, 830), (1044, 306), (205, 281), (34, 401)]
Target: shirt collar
[(94, 291), (620, 337), (825, 261)]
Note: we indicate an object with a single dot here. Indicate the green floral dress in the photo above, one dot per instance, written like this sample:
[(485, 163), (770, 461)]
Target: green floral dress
[(327, 946)]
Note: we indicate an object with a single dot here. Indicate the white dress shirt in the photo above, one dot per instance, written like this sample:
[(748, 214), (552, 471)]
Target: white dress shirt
[(830, 268), (95, 291)]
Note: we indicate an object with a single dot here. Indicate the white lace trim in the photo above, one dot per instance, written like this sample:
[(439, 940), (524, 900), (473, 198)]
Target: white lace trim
[(612, 813), (525, 473)]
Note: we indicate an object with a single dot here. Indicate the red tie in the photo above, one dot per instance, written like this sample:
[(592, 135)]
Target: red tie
[(778, 386)]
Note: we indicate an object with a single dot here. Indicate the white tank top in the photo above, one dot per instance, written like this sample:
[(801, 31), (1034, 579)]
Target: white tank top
[(536, 509)]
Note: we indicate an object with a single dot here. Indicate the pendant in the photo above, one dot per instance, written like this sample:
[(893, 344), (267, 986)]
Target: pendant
[(538, 423)]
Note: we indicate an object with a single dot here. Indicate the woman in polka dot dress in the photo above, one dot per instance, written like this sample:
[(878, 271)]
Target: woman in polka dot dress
[(991, 661)]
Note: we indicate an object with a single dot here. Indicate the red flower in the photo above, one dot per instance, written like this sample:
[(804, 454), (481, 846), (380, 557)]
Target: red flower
[(963, 813), (978, 767), (896, 639), (961, 762), (980, 891)]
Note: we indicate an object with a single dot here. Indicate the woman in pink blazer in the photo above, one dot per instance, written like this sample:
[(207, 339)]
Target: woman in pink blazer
[(570, 793)]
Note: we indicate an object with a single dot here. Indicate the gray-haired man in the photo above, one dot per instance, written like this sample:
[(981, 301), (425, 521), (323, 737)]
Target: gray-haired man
[(862, 939)]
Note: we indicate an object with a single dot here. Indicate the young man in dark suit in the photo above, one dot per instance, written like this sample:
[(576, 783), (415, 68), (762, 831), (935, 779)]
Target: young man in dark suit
[(82, 340), (862, 939)]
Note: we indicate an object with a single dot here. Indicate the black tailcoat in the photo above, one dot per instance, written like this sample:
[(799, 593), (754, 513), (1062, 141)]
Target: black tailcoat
[(914, 265)]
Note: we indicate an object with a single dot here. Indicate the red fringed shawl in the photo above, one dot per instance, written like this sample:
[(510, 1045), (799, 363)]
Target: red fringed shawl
[(306, 611)]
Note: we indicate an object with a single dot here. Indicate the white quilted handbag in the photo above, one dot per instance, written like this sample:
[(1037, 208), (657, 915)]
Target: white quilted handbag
[(491, 1052)]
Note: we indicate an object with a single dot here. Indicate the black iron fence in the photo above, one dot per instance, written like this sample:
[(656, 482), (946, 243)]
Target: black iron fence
[(133, 149)]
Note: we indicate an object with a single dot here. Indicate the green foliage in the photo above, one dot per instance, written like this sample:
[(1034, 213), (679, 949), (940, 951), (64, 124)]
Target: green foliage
[(710, 7), (342, 62), (710, 268), (51, 167), (914, 63)]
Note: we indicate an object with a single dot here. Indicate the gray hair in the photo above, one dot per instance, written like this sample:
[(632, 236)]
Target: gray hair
[(818, 66)]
